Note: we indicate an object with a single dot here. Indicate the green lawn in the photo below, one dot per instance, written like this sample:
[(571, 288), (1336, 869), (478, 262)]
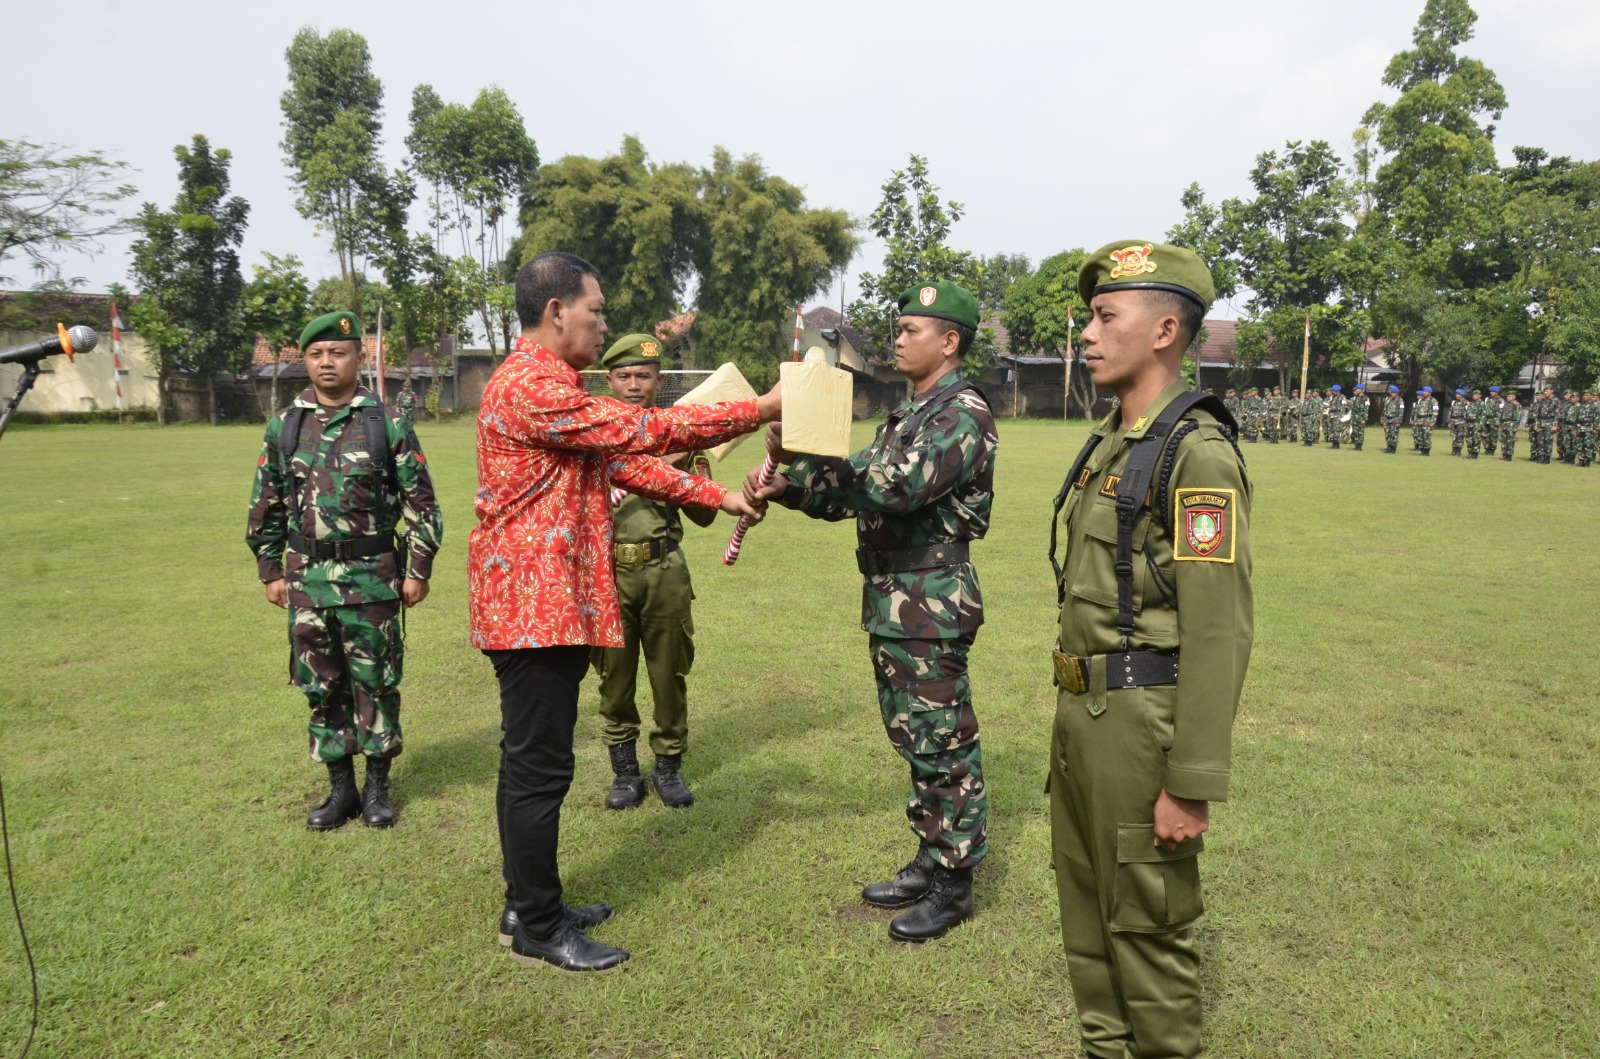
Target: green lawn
[(1410, 864)]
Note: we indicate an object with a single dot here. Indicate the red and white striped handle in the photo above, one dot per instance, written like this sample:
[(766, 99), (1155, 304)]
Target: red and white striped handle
[(618, 496), (731, 556)]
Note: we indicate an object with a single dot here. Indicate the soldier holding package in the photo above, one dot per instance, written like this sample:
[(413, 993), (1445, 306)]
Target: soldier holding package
[(654, 594), (919, 493), (339, 477)]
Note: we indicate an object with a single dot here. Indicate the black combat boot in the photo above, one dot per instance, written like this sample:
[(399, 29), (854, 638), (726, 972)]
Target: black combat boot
[(343, 801), (583, 917), (668, 782), (1358, 446), (947, 903), (908, 885), (568, 948), (376, 808), (1335, 444), (627, 790)]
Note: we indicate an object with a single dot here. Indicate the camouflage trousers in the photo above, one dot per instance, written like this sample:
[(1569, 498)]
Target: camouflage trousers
[(1422, 438), (1309, 430), (926, 700), (1391, 434), (1508, 442), (1490, 432), (1473, 439), (1539, 439), (1358, 431), (347, 660), (1585, 446)]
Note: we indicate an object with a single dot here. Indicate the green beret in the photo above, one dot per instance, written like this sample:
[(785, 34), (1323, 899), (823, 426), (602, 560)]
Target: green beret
[(944, 300), (332, 327), (630, 350), (1133, 264)]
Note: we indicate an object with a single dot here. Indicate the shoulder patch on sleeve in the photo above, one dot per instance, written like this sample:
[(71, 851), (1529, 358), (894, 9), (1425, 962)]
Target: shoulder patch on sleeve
[(1206, 523)]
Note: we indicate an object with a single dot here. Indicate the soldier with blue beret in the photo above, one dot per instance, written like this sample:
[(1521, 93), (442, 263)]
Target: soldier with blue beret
[(339, 478), (1142, 747), (1394, 412), (1424, 417)]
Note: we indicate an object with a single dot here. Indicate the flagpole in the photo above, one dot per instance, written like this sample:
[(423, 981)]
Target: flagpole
[(378, 368), (116, 355), (1305, 357), (1066, 395)]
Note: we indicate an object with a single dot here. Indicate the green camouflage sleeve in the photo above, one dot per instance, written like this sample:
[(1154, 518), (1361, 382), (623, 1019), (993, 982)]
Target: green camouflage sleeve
[(803, 495), (946, 452), (268, 529), (420, 517)]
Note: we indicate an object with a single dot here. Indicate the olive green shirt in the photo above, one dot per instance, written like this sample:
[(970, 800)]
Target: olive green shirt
[(1203, 559), (640, 520)]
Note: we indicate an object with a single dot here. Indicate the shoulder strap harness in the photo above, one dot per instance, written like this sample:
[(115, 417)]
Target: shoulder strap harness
[(1158, 449), (378, 455)]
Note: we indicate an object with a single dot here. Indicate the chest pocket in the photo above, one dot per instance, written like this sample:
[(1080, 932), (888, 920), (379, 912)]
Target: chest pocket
[(1096, 573)]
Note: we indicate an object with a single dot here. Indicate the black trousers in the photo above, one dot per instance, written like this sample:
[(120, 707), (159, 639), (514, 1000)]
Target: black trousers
[(538, 712)]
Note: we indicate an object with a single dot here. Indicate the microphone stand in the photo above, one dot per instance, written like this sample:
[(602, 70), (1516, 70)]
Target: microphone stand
[(30, 372)]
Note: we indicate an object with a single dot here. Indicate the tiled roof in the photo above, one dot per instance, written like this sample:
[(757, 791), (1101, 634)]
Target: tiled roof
[(292, 354), (1218, 349), (676, 326)]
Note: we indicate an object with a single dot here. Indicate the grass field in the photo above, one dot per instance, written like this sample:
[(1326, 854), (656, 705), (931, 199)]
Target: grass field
[(1410, 864)]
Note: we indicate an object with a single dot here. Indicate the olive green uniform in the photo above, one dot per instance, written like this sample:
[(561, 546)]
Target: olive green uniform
[(654, 592), (1128, 907)]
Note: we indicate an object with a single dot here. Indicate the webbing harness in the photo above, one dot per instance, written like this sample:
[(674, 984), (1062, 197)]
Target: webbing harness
[(1157, 449), (377, 449)]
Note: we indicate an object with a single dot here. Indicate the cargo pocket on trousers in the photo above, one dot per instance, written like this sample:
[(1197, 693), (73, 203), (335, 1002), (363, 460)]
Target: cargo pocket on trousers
[(1155, 891)]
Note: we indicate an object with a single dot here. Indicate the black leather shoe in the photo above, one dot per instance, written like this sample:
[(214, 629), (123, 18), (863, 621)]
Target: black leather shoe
[(947, 903), (908, 885), (668, 782), (628, 789), (376, 809), (583, 917), (343, 802), (570, 949)]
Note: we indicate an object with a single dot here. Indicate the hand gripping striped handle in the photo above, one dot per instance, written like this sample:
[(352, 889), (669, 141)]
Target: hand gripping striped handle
[(731, 556)]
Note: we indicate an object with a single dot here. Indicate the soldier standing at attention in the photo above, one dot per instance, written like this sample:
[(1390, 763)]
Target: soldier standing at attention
[(1567, 437), (1510, 412), (1474, 416), (1359, 408), (1274, 415), (1310, 418), (1249, 415), (1231, 402), (1291, 418), (1588, 427), (1542, 426), (1336, 410), (1424, 417), (406, 402), (919, 493), (1456, 419), (1394, 411), (655, 594), (1140, 747), (338, 478), (1489, 422)]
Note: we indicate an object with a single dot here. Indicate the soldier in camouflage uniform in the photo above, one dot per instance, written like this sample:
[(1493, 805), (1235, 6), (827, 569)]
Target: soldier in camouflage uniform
[(1250, 421), (919, 493), (655, 596), (1336, 409), (1474, 416), (1424, 417), (1567, 430), (1359, 409), (1234, 406), (1394, 411), (1274, 425), (1291, 417), (1456, 419), (406, 402), (1489, 422), (323, 520), (1310, 418), (1510, 412), (1543, 420), (1588, 427)]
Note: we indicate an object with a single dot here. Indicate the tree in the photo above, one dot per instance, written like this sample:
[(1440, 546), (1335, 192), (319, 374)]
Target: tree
[(1038, 308), (761, 252), (479, 161), (276, 305), (638, 222), (999, 273), (332, 115), (51, 202), (186, 264), (914, 226)]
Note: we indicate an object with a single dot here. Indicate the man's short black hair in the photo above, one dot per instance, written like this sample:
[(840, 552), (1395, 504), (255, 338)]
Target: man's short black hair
[(555, 275), (1191, 317)]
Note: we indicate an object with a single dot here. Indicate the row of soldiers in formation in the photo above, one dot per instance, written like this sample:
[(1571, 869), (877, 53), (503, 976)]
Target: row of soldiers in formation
[(1568, 425)]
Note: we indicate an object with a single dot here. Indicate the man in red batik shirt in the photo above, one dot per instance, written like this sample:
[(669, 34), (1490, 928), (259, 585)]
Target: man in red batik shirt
[(541, 585)]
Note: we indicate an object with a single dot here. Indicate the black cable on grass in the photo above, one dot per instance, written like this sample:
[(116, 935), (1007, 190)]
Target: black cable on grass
[(11, 882)]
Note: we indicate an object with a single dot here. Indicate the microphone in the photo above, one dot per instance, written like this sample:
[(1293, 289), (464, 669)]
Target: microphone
[(80, 339)]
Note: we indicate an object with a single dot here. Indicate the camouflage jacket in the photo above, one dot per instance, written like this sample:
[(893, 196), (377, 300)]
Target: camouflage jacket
[(1510, 412), (1336, 406), (1546, 411), (1359, 406), (327, 495), (1394, 408), (1425, 413), (913, 487), (1588, 416)]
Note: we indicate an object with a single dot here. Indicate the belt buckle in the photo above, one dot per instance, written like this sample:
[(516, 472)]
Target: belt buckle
[(1068, 674), (632, 554)]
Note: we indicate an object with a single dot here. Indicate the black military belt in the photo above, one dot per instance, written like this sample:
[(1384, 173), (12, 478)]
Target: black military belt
[(343, 551), (1136, 669), (901, 560), (635, 554)]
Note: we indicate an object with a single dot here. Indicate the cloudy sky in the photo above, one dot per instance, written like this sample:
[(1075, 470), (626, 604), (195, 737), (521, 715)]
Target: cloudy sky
[(1055, 124)]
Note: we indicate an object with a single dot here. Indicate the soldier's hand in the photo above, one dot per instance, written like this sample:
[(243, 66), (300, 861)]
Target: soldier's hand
[(735, 504), (278, 592), (757, 496), (775, 447), (1180, 819), (770, 404), (414, 591)]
